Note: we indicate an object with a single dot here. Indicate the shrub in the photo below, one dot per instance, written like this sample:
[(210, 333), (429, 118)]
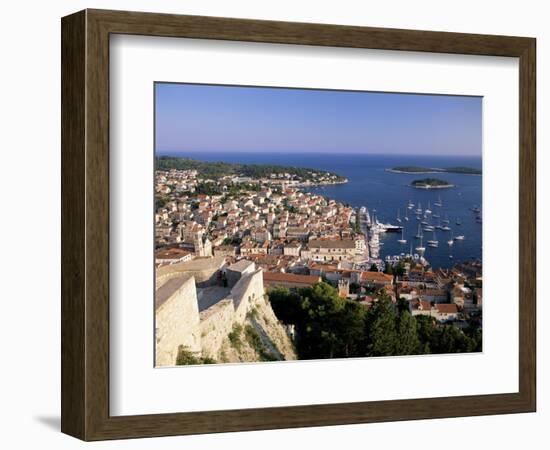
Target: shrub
[(253, 313), (235, 336), (255, 341), (187, 358)]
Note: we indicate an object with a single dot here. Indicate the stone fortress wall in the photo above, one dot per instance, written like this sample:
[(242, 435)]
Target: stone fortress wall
[(176, 320), (205, 271), (179, 320)]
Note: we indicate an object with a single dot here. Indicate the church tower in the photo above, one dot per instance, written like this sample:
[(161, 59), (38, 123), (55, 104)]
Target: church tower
[(343, 287)]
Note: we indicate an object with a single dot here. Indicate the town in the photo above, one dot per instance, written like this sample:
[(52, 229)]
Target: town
[(271, 228)]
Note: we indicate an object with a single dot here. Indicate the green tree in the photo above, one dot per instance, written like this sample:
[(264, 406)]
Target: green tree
[(373, 268), (402, 305), (318, 328), (407, 335), (425, 326), (399, 269), (450, 339), (381, 335), (286, 305), (388, 269), (349, 326)]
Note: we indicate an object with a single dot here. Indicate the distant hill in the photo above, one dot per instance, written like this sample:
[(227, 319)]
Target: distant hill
[(217, 170), (419, 169)]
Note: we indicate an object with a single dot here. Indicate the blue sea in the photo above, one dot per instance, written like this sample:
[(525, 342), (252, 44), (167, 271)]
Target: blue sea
[(371, 186)]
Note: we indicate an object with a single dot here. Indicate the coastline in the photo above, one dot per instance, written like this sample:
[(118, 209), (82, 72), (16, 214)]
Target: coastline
[(414, 173), (365, 182), (345, 181), (404, 172), (446, 186)]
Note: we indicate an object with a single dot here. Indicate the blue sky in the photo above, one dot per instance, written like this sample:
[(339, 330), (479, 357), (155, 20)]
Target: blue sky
[(194, 118)]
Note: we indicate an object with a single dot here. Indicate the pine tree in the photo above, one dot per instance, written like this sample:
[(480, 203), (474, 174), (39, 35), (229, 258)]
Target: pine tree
[(407, 335), (381, 332)]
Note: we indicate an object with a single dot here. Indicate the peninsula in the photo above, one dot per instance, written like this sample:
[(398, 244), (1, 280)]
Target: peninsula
[(237, 172)]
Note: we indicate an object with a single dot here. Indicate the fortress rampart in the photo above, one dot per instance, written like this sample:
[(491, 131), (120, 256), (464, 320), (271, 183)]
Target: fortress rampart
[(179, 320)]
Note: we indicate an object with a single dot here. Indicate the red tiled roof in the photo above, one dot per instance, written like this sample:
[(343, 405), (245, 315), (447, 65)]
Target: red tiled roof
[(376, 276), (171, 253), (447, 308), (422, 305), (290, 278)]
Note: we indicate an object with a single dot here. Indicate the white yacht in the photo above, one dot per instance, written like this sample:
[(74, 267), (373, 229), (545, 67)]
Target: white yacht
[(460, 237), (433, 242), (428, 210), (451, 241), (420, 248), (402, 240)]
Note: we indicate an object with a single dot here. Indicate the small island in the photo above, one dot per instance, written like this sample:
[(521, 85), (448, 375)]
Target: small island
[(431, 183), (418, 169)]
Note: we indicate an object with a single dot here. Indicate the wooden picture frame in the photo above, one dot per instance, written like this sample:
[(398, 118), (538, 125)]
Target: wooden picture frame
[(85, 224)]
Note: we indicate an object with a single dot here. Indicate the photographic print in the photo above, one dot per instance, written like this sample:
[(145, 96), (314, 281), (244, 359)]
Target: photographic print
[(303, 224)]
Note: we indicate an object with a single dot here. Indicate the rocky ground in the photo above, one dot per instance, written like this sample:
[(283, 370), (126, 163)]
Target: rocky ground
[(260, 338)]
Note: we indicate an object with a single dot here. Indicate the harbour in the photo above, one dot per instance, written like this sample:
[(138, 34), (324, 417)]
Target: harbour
[(455, 212)]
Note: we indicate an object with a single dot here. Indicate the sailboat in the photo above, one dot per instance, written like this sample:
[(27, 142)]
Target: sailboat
[(428, 210), (433, 242), (451, 241), (398, 218), (420, 248), (419, 233), (406, 216), (402, 240), (439, 202), (410, 205), (419, 209), (459, 237), (445, 223)]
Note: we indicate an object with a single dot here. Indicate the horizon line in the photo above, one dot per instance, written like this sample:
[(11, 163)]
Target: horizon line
[(172, 153)]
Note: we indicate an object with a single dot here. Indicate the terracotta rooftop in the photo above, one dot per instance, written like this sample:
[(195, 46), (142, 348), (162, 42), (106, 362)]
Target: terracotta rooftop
[(171, 253), (290, 278), (421, 305), (446, 308), (376, 276), (340, 243)]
